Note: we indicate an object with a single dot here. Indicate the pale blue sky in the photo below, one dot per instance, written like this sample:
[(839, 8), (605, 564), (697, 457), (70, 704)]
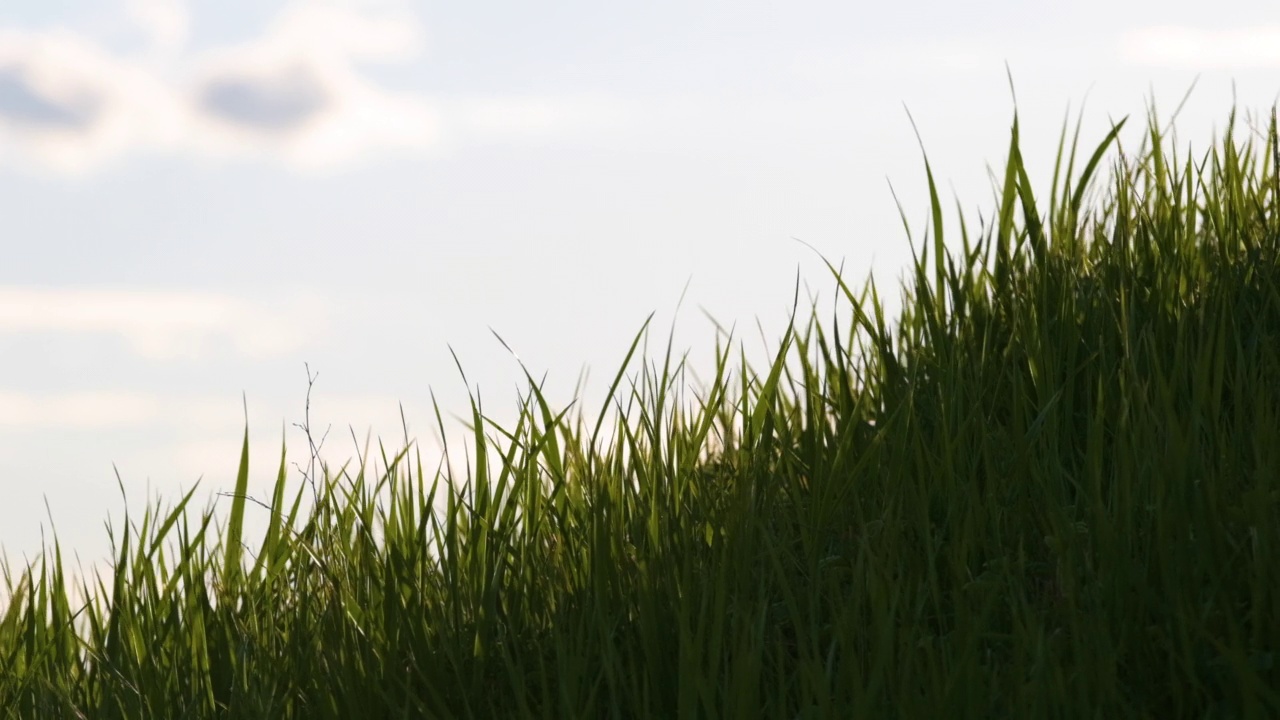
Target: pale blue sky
[(196, 198)]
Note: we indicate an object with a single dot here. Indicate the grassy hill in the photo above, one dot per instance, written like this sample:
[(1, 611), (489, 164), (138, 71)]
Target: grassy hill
[(1051, 490)]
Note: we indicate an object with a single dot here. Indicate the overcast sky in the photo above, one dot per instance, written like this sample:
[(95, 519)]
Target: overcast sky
[(197, 198)]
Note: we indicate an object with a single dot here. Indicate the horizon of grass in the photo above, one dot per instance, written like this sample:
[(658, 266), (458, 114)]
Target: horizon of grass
[(1052, 490)]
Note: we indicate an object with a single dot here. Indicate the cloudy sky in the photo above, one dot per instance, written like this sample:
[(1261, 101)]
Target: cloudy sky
[(198, 198)]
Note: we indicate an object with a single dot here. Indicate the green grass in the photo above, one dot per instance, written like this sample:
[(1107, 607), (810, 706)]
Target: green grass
[(1051, 490)]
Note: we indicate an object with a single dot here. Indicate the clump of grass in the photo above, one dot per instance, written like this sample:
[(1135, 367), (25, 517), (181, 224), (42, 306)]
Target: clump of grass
[(1050, 491)]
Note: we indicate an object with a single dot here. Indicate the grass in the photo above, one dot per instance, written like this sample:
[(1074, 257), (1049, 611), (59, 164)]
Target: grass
[(1052, 490)]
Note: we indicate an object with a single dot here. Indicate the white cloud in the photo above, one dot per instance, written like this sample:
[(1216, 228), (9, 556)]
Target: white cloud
[(310, 115), (88, 410), (332, 32), (162, 326), (299, 94), (1233, 49), (294, 94), (70, 105), (165, 22)]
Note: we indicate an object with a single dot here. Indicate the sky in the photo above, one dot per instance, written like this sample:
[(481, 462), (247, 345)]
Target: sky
[(203, 202)]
